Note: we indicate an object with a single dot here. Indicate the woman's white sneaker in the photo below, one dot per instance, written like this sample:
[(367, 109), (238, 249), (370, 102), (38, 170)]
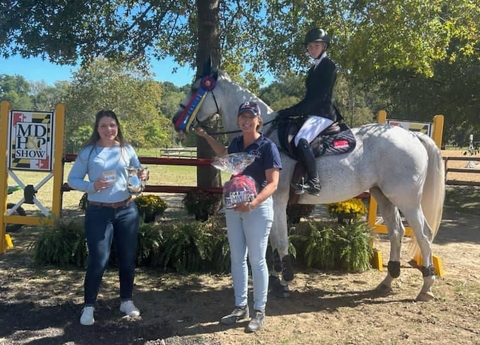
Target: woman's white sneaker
[(87, 316), (129, 308)]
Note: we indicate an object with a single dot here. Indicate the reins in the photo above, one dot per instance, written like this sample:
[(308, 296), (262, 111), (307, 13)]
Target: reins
[(207, 128)]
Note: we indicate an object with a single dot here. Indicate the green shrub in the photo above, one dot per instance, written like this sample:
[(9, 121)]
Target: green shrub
[(202, 204), (320, 251), (220, 257), (150, 206), (190, 246), (203, 246), (178, 246), (354, 245), (149, 245), (334, 246), (62, 243)]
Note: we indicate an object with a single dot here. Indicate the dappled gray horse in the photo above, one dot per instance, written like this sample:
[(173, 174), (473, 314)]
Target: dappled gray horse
[(401, 169)]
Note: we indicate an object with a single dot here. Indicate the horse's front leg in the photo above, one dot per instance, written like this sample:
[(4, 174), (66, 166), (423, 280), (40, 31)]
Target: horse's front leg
[(282, 273)]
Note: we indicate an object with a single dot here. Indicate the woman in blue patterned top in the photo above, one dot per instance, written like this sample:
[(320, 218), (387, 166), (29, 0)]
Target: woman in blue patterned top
[(249, 223), (110, 214)]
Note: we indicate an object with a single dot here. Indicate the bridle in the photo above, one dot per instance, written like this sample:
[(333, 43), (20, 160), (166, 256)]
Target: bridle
[(189, 114), (188, 118)]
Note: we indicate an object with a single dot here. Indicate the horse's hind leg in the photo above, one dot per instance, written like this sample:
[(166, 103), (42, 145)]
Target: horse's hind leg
[(396, 230), (424, 237)]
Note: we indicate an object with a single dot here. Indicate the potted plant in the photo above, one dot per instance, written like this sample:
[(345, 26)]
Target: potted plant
[(202, 204), (150, 206), (346, 211)]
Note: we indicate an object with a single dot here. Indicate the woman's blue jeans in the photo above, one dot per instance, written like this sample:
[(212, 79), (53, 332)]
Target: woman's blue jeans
[(248, 233), (102, 225)]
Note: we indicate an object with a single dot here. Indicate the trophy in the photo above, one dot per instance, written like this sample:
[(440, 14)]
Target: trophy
[(134, 184)]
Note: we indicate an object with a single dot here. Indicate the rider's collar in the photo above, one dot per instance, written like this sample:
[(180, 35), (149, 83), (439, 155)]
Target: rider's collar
[(319, 59)]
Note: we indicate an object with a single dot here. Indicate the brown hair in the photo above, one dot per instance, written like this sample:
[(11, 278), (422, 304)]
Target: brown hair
[(96, 136)]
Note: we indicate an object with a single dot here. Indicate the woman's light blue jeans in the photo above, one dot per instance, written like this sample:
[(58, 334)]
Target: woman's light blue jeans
[(102, 225), (248, 233)]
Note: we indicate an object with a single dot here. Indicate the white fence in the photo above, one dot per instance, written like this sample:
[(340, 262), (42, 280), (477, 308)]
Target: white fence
[(179, 152)]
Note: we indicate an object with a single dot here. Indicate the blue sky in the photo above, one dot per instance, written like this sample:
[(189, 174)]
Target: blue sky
[(35, 69)]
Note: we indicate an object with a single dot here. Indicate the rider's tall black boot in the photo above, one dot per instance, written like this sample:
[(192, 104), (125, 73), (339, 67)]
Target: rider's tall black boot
[(305, 153)]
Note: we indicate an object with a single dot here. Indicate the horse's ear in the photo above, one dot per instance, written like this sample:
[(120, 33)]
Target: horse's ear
[(207, 67)]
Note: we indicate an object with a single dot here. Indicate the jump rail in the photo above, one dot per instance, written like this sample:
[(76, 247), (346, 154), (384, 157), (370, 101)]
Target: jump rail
[(461, 170)]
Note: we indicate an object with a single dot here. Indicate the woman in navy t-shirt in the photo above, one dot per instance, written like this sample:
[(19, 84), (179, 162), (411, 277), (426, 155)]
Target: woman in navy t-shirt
[(249, 223)]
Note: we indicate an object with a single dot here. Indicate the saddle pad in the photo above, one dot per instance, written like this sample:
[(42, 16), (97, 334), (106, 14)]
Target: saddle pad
[(341, 142), (329, 144)]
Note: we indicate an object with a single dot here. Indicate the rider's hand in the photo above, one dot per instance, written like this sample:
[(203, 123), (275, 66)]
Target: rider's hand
[(283, 114)]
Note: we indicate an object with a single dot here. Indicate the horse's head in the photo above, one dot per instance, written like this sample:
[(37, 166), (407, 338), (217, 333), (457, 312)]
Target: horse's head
[(200, 103), (215, 93)]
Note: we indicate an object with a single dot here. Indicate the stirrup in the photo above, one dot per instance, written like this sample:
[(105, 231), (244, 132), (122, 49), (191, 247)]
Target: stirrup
[(300, 188), (313, 187)]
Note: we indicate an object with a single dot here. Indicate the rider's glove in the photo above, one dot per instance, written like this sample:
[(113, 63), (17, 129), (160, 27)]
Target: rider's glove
[(283, 114)]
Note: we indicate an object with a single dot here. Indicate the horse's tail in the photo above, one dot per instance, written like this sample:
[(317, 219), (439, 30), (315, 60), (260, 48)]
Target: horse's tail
[(434, 188)]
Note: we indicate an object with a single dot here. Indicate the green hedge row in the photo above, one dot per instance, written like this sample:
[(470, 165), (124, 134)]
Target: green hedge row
[(194, 246)]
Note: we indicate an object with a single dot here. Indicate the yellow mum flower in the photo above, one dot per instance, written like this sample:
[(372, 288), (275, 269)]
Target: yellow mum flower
[(351, 208)]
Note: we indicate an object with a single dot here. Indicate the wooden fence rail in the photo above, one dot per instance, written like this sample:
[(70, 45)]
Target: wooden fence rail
[(162, 161), (461, 170)]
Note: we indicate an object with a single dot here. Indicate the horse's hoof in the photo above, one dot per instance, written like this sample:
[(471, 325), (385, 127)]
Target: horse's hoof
[(272, 282), (425, 297), (278, 290), (383, 289)]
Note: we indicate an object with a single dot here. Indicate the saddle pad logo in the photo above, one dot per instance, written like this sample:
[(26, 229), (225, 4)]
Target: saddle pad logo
[(340, 144)]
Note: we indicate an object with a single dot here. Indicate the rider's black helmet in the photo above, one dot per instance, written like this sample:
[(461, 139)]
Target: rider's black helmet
[(317, 35)]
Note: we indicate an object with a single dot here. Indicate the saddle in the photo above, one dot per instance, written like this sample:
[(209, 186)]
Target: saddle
[(335, 139)]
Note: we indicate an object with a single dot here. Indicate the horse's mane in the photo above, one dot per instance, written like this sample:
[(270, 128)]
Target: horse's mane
[(243, 94)]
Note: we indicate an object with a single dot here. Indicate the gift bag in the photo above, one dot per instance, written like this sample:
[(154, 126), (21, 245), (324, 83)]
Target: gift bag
[(239, 188)]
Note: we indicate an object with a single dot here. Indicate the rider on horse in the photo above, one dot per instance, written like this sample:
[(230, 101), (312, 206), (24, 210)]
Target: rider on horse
[(317, 106)]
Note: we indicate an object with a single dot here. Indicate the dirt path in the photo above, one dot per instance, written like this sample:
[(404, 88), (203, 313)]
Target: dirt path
[(42, 305)]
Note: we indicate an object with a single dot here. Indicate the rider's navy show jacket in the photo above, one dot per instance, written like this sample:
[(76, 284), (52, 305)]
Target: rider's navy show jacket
[(318, 98)]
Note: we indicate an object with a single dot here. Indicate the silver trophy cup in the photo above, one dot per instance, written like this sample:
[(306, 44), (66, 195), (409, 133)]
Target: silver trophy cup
[(134, 185)]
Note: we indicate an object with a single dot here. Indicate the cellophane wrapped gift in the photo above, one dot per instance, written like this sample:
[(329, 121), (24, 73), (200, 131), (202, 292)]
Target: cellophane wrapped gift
[(239, 188)]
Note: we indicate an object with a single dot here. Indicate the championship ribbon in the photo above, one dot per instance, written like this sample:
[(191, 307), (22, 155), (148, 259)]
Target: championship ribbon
[(189, 114)]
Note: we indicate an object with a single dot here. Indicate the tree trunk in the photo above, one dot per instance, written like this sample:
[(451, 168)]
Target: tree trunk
[(208, 46)]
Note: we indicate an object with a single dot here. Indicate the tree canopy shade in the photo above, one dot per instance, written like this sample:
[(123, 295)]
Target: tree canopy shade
[(369, 37), (133, 95)]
